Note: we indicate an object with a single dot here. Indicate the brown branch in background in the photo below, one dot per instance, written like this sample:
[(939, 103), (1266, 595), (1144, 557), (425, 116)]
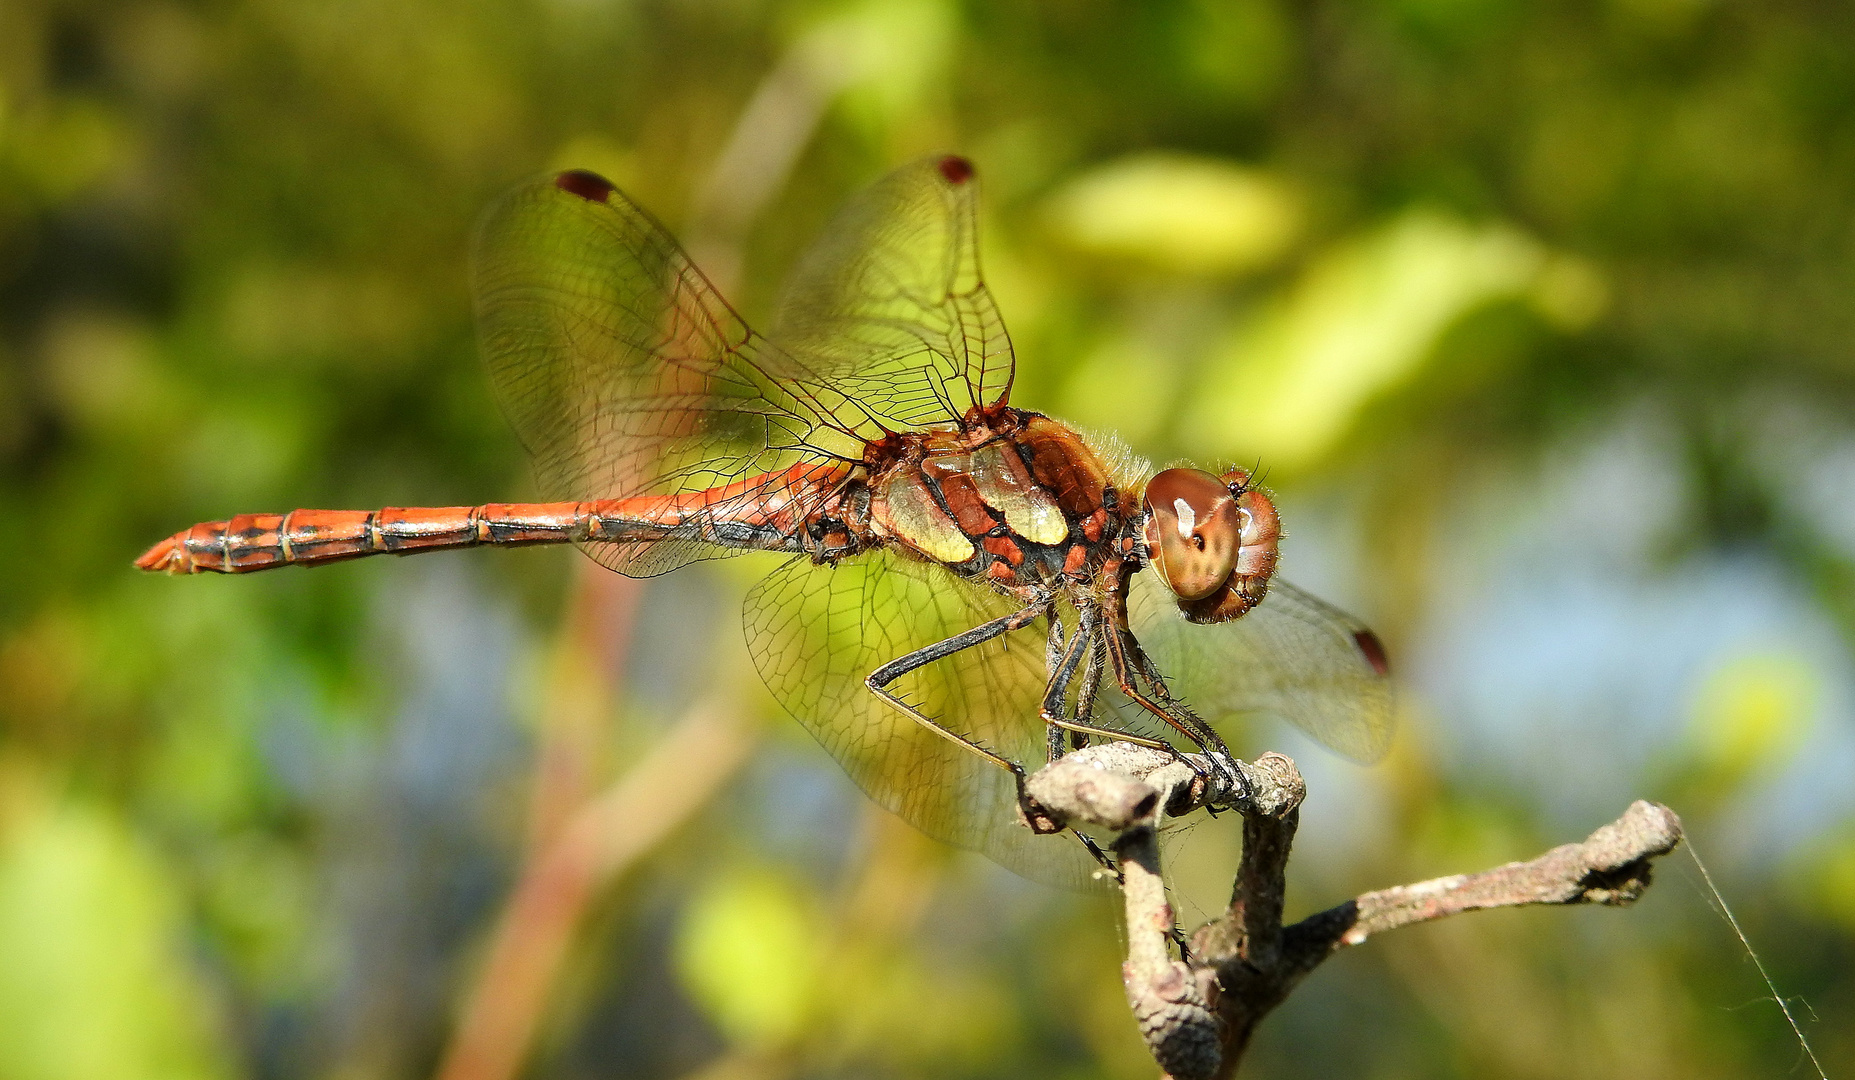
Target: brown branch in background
[(579, 840), (774, 128), (582, 691), (599, 841), (1245, 962)]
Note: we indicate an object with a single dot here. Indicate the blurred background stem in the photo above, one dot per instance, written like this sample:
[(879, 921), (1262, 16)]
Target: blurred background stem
[(581, 838)]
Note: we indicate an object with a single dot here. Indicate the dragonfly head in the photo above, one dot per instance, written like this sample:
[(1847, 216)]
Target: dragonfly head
[(1213, 541)]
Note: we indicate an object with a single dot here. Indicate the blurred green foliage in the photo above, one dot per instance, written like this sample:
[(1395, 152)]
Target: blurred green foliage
[(1538, 313)]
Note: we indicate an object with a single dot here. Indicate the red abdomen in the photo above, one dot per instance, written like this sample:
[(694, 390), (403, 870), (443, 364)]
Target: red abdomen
[(768, 512), (263, 541)]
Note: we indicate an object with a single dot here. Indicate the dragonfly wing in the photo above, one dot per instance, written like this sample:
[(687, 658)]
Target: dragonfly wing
[(816, 632), (622, 370), (889, 308), (1293, 656)]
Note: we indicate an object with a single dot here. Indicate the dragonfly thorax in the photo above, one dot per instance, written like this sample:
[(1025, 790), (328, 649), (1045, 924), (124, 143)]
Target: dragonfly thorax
[(1021, 502)]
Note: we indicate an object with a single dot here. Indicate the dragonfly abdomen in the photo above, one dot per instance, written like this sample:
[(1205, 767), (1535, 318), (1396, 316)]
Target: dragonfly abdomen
[(251, 542), (765, 512)]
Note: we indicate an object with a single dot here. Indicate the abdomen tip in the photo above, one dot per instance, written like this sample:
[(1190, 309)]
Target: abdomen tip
[(164, 557)]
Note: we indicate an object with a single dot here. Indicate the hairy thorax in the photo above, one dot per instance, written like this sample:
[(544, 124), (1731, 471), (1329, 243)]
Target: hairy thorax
[(1015, 498)]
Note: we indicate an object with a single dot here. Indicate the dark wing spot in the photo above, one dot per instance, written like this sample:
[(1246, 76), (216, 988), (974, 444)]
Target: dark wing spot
[(1373, 650), (956, 169), (587, 185)]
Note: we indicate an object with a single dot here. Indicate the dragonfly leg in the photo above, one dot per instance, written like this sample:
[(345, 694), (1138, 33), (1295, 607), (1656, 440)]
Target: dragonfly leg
[(1062, 661), (1053, 662), (1208, 740), (1086, 642), (880, 678), (1053, 645), (1083, 730), (1091, 686), (1130, 664), (1101, 856)]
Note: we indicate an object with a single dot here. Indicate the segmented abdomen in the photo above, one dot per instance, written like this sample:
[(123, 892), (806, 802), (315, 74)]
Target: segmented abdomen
[(768, 512), (263, 541)]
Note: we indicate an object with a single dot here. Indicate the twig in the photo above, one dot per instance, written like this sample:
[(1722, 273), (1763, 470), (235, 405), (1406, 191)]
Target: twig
[(1198, 1013), (1172, 1001), (1112, 787)]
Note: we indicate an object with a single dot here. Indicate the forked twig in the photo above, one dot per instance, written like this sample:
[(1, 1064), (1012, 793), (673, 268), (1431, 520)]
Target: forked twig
[(1198, 1013)]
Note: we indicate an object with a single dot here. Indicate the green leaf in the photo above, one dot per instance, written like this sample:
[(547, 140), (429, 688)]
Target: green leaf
[(94, 982)]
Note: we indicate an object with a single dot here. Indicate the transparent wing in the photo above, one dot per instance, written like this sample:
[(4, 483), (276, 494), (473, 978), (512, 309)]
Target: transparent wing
[(622, 370), (889, 308), (1293, 656), (817, 632)]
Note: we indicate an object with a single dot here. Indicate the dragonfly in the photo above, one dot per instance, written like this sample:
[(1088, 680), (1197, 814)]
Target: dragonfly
[(971, 588)]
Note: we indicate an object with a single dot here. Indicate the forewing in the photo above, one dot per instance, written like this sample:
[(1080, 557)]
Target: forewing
[(816, 632), (1293, 656), (889, 308), (622, 370)]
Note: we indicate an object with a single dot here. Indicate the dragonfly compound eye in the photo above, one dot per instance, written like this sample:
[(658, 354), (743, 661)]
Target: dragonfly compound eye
[(1195, 532), (1214, 541)]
